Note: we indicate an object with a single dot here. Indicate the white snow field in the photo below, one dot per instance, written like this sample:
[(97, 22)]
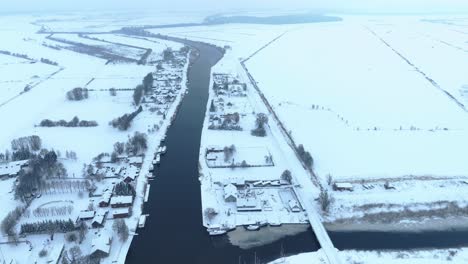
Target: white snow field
[(384, 257), (359, 108)]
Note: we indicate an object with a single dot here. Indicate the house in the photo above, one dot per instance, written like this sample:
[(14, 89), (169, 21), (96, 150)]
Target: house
[(105, 199), (135, 160), (294, 206), (130, 174), (342, 186), (121, 212), (98, 220), (211, 156), (86, 215), (230, 193), (121, 201), (12, 169), (247, 204), (101, 246)]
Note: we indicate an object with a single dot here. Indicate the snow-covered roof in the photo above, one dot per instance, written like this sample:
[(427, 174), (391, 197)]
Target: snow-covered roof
[(230, 190), (212, 156), (135, 160), (101, 243), (12, 168), (99, 218), (344, 185), (121, 211), (86, 214), (293, 204), (122, 200)]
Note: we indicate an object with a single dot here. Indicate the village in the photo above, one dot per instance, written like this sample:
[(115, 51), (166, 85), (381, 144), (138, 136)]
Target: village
[(244, 179), (91, 211)]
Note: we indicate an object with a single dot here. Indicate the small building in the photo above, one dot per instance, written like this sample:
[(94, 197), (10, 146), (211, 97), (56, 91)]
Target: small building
[(389, 186), (98, 220), (86, 215), (121, 212), (342, 186), (230, 193), (247, 204), (135, 160), (12, 169), (294, 206), (211, 156), (121, 201), (105, 199), (101, 246)]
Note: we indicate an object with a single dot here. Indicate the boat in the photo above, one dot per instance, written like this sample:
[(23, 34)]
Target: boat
[(275, 224), (217, 232), (151, 168), (157, 160), (252, 227), (163, 149), (150, 176), (142, 221)]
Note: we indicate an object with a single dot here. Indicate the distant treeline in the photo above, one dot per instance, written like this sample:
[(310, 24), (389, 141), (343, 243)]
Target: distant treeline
[(75, 122)]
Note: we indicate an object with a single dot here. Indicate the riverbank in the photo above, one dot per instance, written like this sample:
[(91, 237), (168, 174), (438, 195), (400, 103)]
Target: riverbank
[(406, 226)]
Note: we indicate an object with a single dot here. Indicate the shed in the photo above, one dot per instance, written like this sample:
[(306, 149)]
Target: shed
[(342, 186)]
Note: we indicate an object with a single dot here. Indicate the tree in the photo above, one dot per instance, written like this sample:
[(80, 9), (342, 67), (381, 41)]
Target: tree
[(286, 176), (121, 228), (119, 148), (113, 92), (325, 200), (148, 82), (212, 107), (210, 213), (75, 253), (138, 94), (168, 54), (260, 122), (82, 230)]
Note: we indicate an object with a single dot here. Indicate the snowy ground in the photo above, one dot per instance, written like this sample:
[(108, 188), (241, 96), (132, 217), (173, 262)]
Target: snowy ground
[(47, 100), (455, 255)]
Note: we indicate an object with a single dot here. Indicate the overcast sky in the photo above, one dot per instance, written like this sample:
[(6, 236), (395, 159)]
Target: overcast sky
[(403, 6)]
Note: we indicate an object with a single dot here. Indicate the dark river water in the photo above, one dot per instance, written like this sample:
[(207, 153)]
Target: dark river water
[(174, 233)]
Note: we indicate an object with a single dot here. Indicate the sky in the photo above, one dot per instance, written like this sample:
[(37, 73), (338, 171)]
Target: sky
[(379, 6)]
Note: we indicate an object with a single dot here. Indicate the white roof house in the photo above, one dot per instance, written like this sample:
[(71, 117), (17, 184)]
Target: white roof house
[(121, 200), (294, 206), (86, 215), (12, 169), (101, 244), (230, 192), (135, 160)]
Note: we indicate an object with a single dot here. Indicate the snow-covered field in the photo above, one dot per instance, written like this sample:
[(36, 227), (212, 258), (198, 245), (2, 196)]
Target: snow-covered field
[(456, 255), (46, 99)]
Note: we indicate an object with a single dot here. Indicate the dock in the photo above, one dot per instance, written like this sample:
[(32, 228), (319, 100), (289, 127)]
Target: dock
[(147, 193)]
